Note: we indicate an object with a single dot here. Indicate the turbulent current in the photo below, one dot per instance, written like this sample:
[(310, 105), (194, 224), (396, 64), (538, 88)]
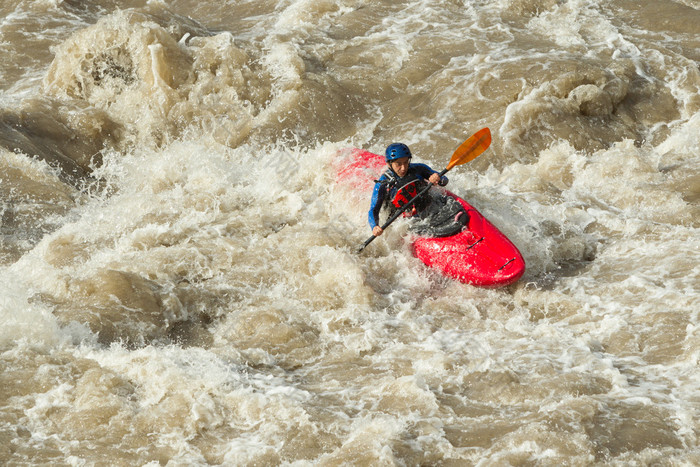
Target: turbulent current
[(180, 283)]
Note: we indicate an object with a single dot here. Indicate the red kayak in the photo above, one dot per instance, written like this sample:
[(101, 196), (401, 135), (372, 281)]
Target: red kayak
[(479, 255)]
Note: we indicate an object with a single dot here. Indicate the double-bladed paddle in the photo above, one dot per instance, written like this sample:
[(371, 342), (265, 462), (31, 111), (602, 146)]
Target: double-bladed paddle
[(466, 152)]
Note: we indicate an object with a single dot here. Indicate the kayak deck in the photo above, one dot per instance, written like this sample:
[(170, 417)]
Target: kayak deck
[(479, 255)]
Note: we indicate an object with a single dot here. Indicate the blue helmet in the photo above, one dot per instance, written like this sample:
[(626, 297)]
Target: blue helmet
[(396, 151)]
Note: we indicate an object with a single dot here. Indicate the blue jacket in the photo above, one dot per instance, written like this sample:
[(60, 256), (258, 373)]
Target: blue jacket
[(386, 187)]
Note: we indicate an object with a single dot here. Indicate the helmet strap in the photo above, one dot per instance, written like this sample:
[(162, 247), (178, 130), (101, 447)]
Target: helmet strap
[(393, 172)]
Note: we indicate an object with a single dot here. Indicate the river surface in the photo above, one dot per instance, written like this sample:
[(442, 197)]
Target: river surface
[(179, 276)]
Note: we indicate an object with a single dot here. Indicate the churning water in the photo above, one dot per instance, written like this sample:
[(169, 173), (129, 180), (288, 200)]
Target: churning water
[(179, 278)]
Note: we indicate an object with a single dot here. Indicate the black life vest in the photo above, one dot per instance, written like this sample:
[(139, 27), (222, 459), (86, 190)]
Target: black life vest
[(405, 193), (402, 190)]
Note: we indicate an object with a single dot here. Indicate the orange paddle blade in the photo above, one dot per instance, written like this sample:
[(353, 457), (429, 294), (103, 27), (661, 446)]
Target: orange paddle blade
[(471, 148)]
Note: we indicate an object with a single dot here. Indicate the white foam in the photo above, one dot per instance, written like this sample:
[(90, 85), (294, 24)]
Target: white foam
[(276, 343)]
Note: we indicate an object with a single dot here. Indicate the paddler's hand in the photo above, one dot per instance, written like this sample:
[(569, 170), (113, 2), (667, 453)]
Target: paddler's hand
[(434, 179), (377, 231)]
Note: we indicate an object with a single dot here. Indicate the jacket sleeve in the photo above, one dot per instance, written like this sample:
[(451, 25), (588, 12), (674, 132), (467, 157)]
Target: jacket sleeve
[(378, 196), (425, 171)]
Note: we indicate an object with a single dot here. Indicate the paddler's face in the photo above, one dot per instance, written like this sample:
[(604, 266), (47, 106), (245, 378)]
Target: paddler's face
[(400, 166)]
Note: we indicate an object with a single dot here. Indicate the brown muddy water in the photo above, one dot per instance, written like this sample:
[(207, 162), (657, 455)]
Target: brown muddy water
[(180, 283)]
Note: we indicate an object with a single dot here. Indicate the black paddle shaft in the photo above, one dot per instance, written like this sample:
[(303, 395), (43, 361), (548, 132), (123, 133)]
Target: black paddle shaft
[(401, 211)]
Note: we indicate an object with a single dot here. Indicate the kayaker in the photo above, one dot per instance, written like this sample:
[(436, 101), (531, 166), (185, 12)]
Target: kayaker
[(436, 215)]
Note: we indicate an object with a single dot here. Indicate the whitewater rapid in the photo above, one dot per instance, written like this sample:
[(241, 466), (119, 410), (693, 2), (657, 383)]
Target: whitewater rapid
[(180, 283)]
